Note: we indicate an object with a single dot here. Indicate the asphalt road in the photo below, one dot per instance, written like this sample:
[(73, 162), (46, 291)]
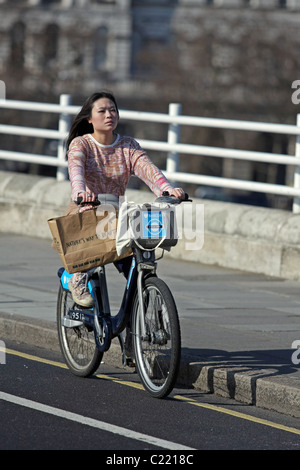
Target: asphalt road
[(43, 406), (243, 328)]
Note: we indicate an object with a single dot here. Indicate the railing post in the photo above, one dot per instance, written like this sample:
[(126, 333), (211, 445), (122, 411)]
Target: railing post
[(63, 126), (296, 201), (173, 138)]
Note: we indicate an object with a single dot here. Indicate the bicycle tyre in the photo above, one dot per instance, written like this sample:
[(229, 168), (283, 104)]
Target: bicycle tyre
[(77, 344), (157, 356)]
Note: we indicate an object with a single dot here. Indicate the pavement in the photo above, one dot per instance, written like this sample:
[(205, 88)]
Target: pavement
[(240, 331)]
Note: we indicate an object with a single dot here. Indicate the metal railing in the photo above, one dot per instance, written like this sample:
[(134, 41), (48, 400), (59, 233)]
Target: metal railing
[(172, 146)]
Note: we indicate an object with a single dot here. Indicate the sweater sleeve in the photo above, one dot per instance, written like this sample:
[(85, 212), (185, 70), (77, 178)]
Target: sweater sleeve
[(144, 168), (76, 165)]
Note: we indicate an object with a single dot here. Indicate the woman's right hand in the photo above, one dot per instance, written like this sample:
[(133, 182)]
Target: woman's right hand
[(87, 196)]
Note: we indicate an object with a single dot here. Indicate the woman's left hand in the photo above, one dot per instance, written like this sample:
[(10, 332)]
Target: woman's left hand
[(178, 192)]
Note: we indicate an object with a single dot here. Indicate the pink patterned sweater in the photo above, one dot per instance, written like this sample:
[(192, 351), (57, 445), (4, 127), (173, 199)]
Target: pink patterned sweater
[(107, 168)]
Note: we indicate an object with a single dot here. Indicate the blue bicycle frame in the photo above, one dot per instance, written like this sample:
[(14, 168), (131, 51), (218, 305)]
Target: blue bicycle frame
[(99, 318)]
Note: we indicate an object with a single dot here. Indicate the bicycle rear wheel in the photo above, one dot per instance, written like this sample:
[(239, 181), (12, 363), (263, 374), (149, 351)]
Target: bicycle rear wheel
[(157, 355), (77, 343)]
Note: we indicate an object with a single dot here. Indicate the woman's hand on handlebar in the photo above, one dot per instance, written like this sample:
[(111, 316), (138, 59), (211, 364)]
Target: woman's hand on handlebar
[(178, 193), (86, 201), (86, 196)]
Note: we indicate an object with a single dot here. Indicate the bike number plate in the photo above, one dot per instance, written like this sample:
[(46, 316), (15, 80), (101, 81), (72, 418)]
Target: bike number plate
[(76, 315)]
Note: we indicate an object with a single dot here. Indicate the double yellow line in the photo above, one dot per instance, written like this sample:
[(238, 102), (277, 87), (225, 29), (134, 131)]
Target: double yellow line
[(189, 401)]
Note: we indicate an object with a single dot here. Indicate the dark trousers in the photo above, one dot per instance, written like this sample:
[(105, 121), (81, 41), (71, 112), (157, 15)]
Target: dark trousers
[(123, 266)]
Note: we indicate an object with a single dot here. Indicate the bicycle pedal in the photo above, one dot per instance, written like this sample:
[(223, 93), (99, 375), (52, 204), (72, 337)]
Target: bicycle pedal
[(69, 323)]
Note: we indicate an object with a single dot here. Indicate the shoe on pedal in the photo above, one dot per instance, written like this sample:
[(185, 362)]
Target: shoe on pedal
[(78, 286)]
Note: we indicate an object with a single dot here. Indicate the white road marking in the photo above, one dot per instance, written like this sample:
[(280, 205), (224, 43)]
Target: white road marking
[(92, 422)]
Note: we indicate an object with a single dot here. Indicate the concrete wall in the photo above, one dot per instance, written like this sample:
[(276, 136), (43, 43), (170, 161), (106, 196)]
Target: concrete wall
[(236, 236)]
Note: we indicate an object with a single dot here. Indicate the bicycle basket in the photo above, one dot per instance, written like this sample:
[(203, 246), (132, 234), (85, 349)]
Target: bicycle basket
[(149, 226)]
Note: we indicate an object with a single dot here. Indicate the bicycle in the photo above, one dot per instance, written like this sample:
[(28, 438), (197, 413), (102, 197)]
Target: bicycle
[(148, 313)]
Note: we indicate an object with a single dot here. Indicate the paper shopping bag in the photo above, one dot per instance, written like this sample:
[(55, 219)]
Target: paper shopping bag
[(85, 240)]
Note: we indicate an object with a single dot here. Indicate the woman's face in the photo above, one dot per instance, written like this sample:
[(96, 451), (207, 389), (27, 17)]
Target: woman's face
[(104, 116)]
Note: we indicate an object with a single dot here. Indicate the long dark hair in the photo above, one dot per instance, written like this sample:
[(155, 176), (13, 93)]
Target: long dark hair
[(80, 125)]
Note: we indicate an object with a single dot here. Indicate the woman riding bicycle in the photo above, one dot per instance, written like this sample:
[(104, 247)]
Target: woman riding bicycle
[(101, 161)]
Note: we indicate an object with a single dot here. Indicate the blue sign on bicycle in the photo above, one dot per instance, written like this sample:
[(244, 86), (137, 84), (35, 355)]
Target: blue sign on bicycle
[(152, 225)]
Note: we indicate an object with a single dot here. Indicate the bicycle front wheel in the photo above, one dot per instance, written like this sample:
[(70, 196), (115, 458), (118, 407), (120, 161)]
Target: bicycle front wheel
[(157, 354), (77, 343)]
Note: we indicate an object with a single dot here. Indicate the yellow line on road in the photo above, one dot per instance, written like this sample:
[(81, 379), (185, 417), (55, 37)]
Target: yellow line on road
[(35, 358), (189, 401), (237, 414)]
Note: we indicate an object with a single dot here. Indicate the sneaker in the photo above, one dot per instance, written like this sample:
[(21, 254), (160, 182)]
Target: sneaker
[(78, 286)]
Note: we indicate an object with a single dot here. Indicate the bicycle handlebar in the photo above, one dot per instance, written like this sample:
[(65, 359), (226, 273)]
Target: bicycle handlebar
[(165, 197), (79, 202)]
